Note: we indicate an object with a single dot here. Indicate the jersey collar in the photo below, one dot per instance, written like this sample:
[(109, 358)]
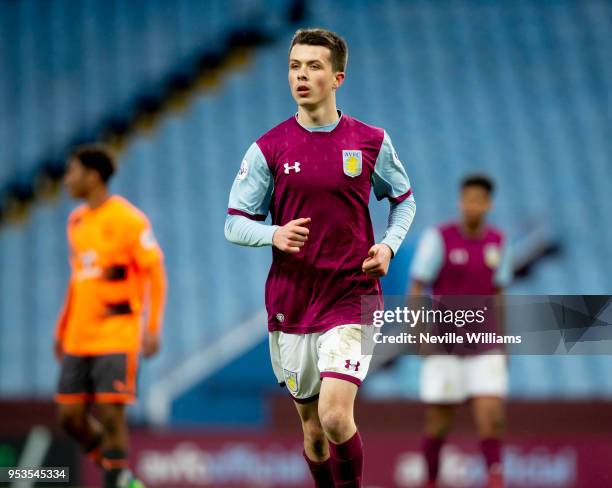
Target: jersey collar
[(321, 128)]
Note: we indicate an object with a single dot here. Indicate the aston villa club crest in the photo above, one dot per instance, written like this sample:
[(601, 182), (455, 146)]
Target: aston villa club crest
[(351, 163), (291, 380), (492, 255)]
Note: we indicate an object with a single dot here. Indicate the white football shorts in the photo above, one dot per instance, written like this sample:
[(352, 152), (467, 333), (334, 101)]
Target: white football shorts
[(448, 379), (301, 361)]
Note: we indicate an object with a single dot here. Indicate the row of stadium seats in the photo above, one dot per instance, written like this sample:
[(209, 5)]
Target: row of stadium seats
[(73, 70), (28, 312), (519, 89)]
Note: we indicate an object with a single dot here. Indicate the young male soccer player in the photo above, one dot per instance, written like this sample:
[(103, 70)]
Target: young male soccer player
[(465, 258), (314, 173), (117, 266)]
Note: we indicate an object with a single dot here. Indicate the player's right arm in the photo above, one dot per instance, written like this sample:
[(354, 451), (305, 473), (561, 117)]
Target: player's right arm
[(62, 321), (248, 207)]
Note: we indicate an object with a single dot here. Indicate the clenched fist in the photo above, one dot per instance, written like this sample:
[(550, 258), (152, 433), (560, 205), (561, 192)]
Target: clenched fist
[(290, 238), (376, 264)]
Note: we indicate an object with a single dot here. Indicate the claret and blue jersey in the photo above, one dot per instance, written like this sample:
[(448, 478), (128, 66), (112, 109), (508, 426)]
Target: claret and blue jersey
[(326, 174)]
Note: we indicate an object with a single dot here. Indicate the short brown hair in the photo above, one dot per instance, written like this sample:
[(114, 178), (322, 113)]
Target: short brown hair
[(97, 157), (326, 38)]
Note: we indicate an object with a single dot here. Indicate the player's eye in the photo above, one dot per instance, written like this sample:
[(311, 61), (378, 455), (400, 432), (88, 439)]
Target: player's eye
[(315, 66)]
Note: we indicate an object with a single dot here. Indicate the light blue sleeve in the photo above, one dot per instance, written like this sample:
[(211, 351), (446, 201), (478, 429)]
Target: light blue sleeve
[(249, 202), (429, 257), (401, 216), (505, 271), (245, 232), (252, 189), (389, 178)]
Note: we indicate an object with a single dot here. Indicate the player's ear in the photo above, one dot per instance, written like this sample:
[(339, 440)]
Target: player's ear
[(339, 79)]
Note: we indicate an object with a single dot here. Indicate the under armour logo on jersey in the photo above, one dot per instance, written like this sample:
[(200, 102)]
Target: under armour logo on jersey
[(350, 365), (295, 167)]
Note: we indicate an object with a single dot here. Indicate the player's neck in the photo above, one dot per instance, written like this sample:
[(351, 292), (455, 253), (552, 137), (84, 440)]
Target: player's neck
[(472, 230), (97, 197), (325, 114)]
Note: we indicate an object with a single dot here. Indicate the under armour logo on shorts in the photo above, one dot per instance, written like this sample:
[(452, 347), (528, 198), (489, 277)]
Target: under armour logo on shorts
[(350, 365), (295, 167)]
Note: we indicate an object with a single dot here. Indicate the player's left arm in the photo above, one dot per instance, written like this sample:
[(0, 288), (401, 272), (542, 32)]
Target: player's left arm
[(149, 261), (503, 278), (389, 180)]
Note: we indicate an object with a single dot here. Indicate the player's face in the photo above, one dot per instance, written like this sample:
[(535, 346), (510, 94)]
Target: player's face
[(311, 76), (475, 203), (78, 179)]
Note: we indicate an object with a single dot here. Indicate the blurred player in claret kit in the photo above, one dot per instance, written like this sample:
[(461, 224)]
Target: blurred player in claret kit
[(314, 173), (117, 272), (465, 258)]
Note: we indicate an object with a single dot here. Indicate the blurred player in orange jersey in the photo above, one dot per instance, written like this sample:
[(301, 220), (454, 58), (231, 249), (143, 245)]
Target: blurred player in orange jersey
[(117, 269)]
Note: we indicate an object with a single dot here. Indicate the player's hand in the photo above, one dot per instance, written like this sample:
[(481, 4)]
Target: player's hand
[(150, 344), (290, 238), (376, 264), (58, 350)]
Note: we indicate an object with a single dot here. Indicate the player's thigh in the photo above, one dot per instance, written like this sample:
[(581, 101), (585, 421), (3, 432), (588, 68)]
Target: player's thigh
[(114, 377), (340, 356), (486, 375), (72, 415), (442, 380), (74, 386), (337, 394), (294, 359), (336, 403)]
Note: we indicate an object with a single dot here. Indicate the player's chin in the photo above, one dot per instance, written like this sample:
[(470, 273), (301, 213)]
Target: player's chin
[(305, 101)]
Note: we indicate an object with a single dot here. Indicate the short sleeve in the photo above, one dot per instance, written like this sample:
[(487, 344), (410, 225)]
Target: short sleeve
[(145, 249), (389, 178), (429, 257), (252, 189)]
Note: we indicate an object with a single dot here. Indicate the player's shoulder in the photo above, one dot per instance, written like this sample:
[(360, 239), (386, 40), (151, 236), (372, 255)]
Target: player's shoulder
[(360, 124), (365, 130), (125, 211), (77, 214), (431, 236), (277, 139), (280, 131), (495, 233), (448, 227)]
